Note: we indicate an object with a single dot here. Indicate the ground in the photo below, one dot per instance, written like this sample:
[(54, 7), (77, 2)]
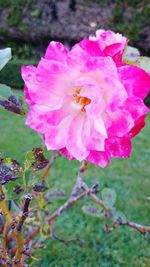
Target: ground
[(129, 177)]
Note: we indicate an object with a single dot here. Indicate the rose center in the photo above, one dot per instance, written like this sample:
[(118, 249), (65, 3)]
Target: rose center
[(81, 100)]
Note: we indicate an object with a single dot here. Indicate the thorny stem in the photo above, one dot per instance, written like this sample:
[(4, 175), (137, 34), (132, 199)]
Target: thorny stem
[(25, 211), (55, 155), (27, 241), (18, 229), (19, 241), (6, 213), (4, 240), (9, 221)]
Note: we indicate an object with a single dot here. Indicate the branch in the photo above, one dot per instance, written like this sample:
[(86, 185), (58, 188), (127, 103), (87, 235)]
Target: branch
[(91, 192), (140, 228), (25, 212), (71, 201), (66, 242)]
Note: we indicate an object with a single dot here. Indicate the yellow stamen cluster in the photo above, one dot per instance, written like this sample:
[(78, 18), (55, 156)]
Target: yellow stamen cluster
[(81, 100)]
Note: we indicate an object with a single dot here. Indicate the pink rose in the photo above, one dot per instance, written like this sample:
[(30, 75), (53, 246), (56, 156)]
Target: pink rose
[(111, 44), (85, 102)]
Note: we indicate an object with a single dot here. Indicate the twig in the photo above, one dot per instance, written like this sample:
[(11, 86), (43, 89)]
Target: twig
[(66, 242), (55, 155), (66, 205), (140, 228), (75, 196)]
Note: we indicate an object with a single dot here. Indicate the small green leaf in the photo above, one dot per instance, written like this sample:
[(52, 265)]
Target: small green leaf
[(119, 217), (10, 101), (143, 63), (35, 160), (132, 57), (10, 170), (93, 211), (5, 56), (130, 53), (109, 197), (14, 191)]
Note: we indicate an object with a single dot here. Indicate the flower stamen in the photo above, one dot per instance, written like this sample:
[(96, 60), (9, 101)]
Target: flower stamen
[(81, 100)]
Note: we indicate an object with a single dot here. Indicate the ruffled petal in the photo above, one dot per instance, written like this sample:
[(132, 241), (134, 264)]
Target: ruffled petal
[(140, 123), (56, 51), (101, 159), (122, 123), (55, 137), (40, 87), (135, 80), (119, 147), (75, 144)]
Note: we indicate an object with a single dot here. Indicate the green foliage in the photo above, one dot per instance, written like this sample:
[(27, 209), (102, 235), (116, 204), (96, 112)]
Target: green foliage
[(16, 7), (119, 217), (143, 63), (5, 91), (109, 197), (10, 170), (11, 75), (35, 13), (132, 23), (93, 210), (35, 160), (132, 57), (7, 99), (10, 101)]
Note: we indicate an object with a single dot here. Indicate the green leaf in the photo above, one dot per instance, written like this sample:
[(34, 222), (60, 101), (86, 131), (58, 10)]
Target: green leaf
[(130, 53), (10, 101), (5, 91), (5, 56), (10, 170), (143, 63), (109, 197), (93, 211), (35, 160), (119, 217), (132, 56), (14, 191)]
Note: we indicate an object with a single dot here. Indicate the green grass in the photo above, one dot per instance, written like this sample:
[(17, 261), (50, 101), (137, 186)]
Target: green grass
[(129, 177)]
